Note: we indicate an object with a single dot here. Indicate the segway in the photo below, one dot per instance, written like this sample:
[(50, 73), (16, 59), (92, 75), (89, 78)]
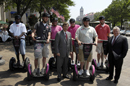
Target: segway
[(86, 51), (31, 74), (77, 52), (105, 45), (12, 63), (1, 60), (53, 61)]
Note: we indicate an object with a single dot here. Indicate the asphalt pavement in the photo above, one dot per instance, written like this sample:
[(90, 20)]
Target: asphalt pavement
[(19, 78)]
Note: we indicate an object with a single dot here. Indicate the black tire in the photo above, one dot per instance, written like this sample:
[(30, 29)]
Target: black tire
[(28, 74), (11, 63), (92, 73), (47, 75), (107, 66), (75, 76), (94, 63), (27, 61), (69, 64), (51, 60)]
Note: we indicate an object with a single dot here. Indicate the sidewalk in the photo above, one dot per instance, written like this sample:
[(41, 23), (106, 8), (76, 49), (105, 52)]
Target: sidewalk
[(8, 78)]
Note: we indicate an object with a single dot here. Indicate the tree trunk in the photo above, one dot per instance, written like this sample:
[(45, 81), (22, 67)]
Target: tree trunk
[(18, 7)]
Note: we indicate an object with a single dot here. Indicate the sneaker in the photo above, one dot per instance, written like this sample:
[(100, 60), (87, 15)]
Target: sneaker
[(35, 71), (98, 65), (72, 63), (87, 73), (78, 63), (103, 65), (81, 72), (42, 71)]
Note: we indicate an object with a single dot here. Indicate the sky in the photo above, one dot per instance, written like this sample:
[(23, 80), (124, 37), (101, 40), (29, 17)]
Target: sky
[(89, 6)]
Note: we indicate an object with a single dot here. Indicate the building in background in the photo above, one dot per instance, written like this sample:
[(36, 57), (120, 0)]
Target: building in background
[(80, 17)]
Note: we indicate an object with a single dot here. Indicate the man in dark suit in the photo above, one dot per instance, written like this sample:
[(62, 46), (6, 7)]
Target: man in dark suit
[(117, 49), (63, 47)]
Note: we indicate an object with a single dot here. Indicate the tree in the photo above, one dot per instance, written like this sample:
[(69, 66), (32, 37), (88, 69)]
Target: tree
[(39, 5), (117, 12), (21, 5), (60, 5)]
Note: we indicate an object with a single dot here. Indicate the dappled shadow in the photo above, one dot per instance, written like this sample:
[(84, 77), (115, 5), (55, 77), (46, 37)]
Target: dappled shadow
[(33, 81), (105, 83), (9, 74)]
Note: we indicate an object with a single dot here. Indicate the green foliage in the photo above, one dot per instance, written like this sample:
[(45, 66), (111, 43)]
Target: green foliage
[(32, 19), (77, 22), (117, 12), (38, 5)]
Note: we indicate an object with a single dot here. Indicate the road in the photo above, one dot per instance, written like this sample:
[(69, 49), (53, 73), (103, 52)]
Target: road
[(18, 78)]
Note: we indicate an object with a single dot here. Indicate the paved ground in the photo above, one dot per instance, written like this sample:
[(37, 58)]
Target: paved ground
[(9, 78)]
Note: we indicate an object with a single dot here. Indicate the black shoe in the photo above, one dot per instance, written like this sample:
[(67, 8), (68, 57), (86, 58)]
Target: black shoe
[(59, 78), (66, 76), (108, 78), (115, 81)]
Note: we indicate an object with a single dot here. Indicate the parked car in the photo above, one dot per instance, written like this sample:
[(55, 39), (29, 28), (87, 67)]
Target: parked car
[(127, 33), (122, 32), (111, 31)]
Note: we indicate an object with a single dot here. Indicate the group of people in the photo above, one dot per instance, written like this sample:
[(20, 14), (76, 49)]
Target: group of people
[(64, 44)]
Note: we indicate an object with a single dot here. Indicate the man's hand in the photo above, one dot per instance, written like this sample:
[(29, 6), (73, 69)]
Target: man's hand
[(47, 41), (95, 43), (33, 39), (58, 54), (79, 42), (16, 37)]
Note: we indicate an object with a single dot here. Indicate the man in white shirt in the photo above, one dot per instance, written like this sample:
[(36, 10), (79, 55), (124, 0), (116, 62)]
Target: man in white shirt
[(18, 31), (85, 34)]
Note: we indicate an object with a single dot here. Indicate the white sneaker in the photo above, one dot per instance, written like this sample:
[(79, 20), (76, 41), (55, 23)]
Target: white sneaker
[(87, 73), (103, 65), (81, 72), (98, 65), (78, 63), (42, 70), (35, 71)]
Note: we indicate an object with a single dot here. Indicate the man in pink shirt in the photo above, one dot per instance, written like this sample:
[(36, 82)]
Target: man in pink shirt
[(72, 29), (54, 29), (103, 31)]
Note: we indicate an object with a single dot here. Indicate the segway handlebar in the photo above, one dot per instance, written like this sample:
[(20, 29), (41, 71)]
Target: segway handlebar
[(88, 43)]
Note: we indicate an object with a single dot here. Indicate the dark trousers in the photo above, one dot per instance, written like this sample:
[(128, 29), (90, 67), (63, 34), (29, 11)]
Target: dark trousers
[(118, 66), (62, 62)]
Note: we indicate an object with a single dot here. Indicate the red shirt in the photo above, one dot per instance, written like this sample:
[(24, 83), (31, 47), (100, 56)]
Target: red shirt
[(73, 30), (102, 31)]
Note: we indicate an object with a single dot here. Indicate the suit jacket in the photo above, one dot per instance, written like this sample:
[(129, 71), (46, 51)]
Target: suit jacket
[(63, 46), (118, 49)]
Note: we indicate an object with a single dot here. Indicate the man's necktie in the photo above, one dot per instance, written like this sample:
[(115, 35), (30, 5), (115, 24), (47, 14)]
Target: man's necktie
[(66, 35), (114, 41)]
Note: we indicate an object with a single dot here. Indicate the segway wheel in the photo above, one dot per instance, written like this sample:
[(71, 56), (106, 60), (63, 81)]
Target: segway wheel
[(29, 72), (11, 63), (92, 73), (107, 66), (27, 61), (94, 63), (69, 64), (51, 60), (75, 73), (47, 72)]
